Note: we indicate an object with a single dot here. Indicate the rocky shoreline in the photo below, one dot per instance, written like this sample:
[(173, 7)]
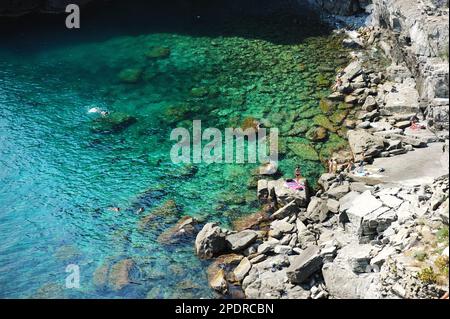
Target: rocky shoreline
[(365, 233)]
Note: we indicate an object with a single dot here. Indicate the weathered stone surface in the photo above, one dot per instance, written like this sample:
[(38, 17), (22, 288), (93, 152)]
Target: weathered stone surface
[(370, 104), (267, 279), (317, 210), (241, 240), (287, 210), (361, 206), (326, 180), (280, 227), (333, 205), (218, 282), (362, 142), (210, 241), (242, 269), (285, 195), (304, 265), (339, 191)]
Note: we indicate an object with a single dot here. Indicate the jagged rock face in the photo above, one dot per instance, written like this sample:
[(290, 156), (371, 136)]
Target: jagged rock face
[(419, 35), (340, 7), (19, 7)]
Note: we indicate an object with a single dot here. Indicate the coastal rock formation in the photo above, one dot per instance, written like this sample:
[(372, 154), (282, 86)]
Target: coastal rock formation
[(210, 241)]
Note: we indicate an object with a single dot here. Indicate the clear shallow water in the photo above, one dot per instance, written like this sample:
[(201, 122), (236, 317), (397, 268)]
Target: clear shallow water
[(58, 176)]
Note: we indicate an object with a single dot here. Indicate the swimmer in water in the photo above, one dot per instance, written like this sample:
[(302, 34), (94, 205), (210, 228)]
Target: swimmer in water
[(115, 209), (97, 110)]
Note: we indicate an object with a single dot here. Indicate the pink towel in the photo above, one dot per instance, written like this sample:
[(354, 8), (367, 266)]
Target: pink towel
[(294, 185)]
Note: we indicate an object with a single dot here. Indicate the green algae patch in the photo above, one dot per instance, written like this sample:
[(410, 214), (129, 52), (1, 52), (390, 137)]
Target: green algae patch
[(334, 144), (130, 75), (158, 53), (322, 81), (326, 106), (304, 151), (199, 92), (339, 116), (317, 134), (322, 120)]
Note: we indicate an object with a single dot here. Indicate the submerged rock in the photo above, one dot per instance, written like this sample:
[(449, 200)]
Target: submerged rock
[(168, 209), (158, 53), (130, 75), (304, 151), (184, 228), (115, 122)]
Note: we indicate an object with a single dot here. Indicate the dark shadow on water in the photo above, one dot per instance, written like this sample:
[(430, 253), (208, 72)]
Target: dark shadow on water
[(280, 22)]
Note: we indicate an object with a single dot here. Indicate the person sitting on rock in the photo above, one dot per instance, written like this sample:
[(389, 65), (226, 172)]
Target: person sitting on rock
[(298, 174), (334, 166), (415, 125), (350, 166)]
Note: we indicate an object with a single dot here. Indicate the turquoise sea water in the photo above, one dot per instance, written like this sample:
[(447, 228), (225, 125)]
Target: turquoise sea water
[(61, 168)]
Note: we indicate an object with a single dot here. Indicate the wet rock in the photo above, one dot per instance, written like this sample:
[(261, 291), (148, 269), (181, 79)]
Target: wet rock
[(130, 76), (199, 92), (158, 53), (218, 282), (304, 151), (253, 221), (317, 134), (241, 240), (210, 241), (168, 210), (119, 274), (242, 269), (115, 122), (304, 265), (184, 228)]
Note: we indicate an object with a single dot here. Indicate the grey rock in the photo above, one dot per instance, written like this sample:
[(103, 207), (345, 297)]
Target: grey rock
[(241, 240), (339, 191), (210, 241), (304, 265)]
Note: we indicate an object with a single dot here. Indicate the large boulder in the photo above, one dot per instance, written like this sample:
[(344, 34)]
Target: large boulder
[(304, 265), (361, 142), (317, 210), (349, 276), (286, 195), (268, 280), (210, 241), (184, 228), (241, 240)]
